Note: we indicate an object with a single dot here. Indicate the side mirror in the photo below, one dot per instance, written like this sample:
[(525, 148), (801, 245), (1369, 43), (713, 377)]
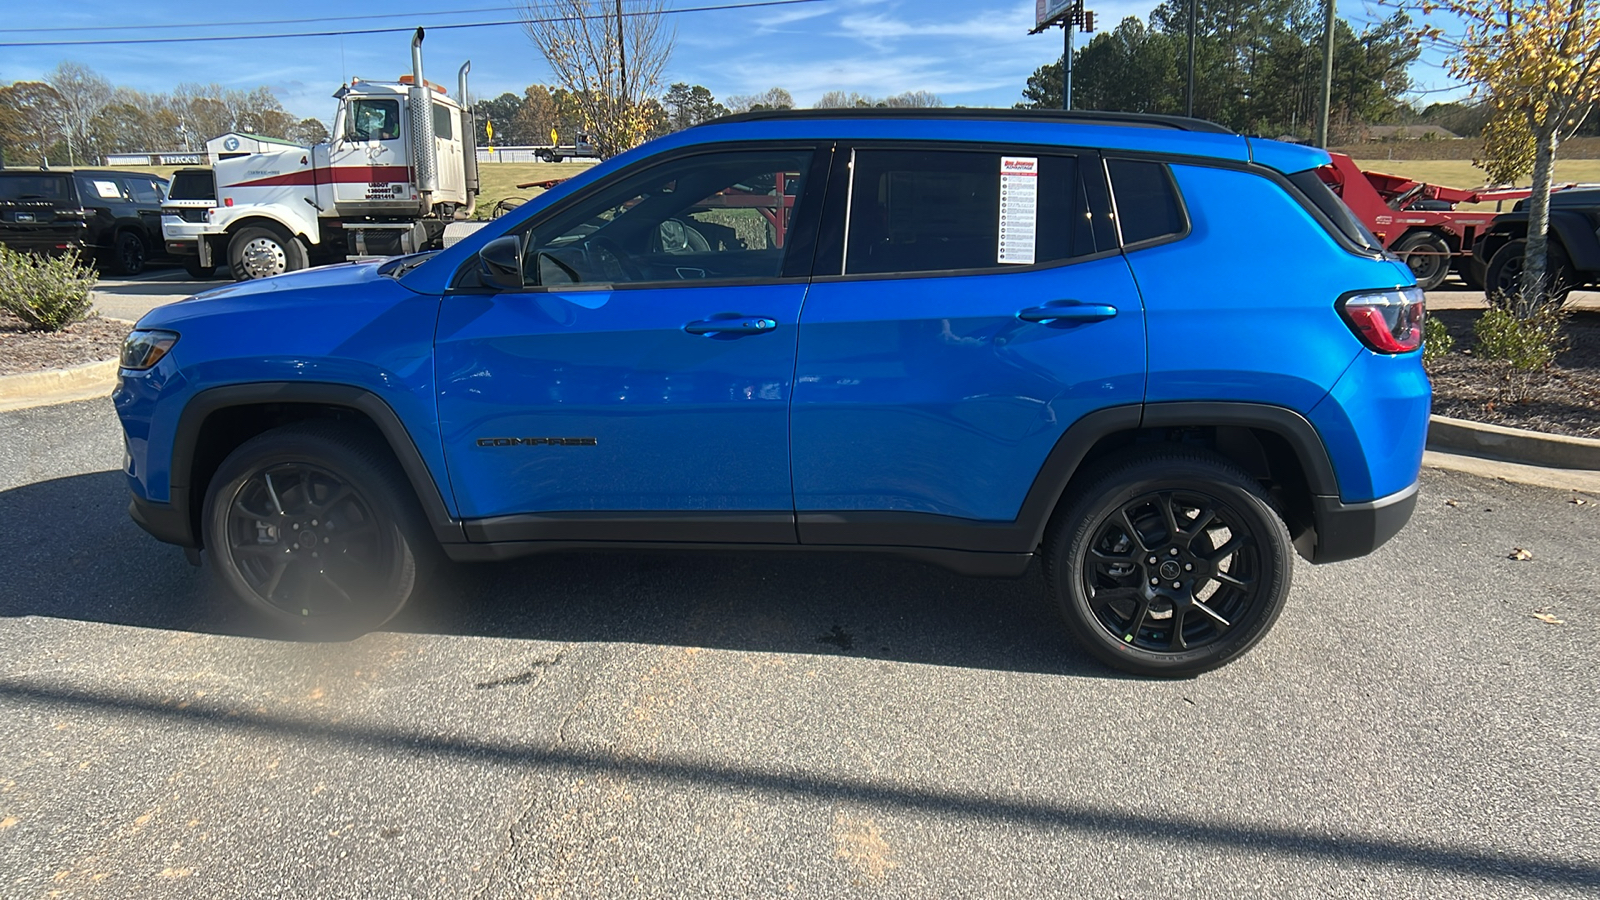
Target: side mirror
[(500, 263)]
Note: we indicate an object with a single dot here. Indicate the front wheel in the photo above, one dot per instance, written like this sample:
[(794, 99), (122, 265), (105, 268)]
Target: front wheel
[(1170, 563), (311, 526), (1504, 275), (261, 252)]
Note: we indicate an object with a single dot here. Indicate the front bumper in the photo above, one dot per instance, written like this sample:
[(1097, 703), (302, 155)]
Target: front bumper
[(1347, 530), (164, 522)]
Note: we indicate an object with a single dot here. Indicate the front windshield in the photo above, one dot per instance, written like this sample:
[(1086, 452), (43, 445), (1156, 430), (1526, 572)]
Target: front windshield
[(374, 120)]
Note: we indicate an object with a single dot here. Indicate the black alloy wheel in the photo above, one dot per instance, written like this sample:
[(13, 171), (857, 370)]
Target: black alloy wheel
[(1170, 564), (1504, 275), (310, 525), (127, 254), (305, 541)]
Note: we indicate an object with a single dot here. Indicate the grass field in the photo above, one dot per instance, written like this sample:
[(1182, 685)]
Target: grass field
[(1462, 174)]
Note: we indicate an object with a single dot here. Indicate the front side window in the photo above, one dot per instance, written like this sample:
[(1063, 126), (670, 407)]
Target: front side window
[(374, 120), (938, 210), (145, 191), (706, 218)]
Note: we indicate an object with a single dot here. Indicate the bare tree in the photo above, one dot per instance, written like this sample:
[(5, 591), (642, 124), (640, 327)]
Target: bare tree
[(772, 98), (83, 95), (610, 62)]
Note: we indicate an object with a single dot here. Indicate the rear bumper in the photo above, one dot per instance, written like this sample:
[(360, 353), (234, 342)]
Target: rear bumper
[(1347, 530)]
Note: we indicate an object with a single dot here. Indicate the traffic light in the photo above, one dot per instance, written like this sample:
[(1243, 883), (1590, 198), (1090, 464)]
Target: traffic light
[(1088, 21)]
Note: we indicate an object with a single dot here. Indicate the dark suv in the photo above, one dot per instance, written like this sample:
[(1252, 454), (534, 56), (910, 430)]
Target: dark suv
[(111, 218), (1574, 254), (973, 337)]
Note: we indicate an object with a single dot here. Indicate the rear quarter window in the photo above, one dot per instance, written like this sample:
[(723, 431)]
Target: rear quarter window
[(1148, 207), (1341, 221)]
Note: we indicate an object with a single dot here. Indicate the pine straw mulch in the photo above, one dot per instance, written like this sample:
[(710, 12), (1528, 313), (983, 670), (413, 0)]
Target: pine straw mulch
[(23, 349), (1564, 399)]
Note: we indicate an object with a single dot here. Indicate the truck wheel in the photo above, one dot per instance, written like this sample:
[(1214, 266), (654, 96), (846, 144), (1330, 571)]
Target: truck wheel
[(1472, 272), (311, 526), (127, 254), (1505, 271), (260, 252), (1169, 563), (1428, 256), (197, 271)]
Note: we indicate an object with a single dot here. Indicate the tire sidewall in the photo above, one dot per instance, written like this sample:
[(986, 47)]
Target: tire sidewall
[(1089, 513), (128, 254), (294, 253), (1439, 251), (289, 446)]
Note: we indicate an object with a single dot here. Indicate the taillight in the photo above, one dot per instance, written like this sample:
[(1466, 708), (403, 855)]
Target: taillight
[(1386, 321)]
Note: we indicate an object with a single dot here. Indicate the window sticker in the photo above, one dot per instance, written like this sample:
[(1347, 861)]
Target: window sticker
[(108, 190), (1019, 209)]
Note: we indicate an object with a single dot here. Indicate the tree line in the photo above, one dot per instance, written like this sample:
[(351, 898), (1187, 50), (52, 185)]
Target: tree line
[(75, 116), (1258, 67)]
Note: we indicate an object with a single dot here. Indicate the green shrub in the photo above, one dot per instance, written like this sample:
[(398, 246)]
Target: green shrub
[(1436, 341), (1528, 344), (47, 292)]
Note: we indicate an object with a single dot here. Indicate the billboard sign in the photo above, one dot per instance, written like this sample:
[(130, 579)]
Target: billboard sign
[(1046, 12)]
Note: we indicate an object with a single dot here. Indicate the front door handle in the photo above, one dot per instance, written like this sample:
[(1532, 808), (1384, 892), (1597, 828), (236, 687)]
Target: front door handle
[(1068, 312), (732, 325)]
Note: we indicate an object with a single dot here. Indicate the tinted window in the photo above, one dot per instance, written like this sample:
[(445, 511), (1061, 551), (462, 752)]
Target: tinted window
[(1147, 200), (1334, 208), (95, 188), (374, 120), (712, 217), (145, 190), (28, 186), (442, 117), (192, 186), (934, 210)]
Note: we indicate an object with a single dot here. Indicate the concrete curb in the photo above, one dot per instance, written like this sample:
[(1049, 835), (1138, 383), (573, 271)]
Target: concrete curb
[(1530, 448), (52, 386)]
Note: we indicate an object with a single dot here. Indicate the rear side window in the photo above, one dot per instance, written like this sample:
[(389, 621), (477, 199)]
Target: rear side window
[(443, 116), (1334, 210), (95, 188), (916, 211), (1147, 200)]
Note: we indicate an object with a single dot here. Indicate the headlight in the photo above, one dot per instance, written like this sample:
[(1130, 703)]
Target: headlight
[(144, 349)]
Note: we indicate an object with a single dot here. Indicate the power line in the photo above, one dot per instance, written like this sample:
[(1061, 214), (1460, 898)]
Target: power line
[(395, 30), (410, 15)]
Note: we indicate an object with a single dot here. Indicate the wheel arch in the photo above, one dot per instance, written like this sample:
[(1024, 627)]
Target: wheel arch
[(1451, 238), (217, 420), (1580, 241), (1275, 444), (265, 220)]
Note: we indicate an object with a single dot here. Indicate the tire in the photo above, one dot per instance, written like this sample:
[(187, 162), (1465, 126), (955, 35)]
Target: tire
[(1472, 271), (312, 527), (1505, 270), (127, 253), (1098, 568), (197, 271), (1428, 256), (259, 251)]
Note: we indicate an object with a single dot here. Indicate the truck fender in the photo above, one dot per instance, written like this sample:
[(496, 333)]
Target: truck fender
[(1579, 238), (296, 223)]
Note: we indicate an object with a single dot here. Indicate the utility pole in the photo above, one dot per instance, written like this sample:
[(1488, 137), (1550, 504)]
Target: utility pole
[(1327, 74), (1189, 95), (1067, 27), (622, 58)]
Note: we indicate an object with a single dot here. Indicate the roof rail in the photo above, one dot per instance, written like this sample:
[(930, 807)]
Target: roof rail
[(1083, 117)]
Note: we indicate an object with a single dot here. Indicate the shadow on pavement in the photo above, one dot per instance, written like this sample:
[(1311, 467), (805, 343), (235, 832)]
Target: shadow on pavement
[(79, 556)]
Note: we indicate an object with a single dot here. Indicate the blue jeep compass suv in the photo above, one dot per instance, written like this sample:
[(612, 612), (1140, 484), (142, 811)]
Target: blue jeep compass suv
[(972, 337)]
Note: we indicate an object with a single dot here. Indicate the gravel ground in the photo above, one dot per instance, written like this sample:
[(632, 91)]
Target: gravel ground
[(24, 350), (1563, 400)]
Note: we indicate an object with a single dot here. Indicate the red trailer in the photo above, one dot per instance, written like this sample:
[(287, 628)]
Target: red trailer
[(1418, 221)]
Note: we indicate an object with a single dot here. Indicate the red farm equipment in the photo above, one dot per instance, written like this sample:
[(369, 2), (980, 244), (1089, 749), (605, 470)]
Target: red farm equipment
[(1417, 221)]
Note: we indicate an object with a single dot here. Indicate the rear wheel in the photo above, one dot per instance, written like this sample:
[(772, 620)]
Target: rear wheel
[(259, 251), (191, 264), (127, 254), (1504, 274), (1472, 271), (1428, 256), (311, 526), (1170, 563)]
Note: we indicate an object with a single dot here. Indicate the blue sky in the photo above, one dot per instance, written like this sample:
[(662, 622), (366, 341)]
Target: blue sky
[(973, 53)]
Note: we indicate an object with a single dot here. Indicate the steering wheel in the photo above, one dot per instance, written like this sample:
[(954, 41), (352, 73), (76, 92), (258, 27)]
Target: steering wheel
[(609, 253)]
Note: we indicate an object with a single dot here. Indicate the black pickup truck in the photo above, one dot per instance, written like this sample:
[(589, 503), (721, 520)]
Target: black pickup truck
[(1574, 254), (108, 217)]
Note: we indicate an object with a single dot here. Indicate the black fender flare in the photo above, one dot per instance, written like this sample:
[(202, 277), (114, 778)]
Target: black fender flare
[(212, 400)]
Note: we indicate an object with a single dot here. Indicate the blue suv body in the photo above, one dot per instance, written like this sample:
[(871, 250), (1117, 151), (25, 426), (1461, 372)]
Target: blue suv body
[(968, 336)]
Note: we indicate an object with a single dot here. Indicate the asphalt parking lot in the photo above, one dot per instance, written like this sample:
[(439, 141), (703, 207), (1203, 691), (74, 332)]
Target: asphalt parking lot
[(1421, 723)]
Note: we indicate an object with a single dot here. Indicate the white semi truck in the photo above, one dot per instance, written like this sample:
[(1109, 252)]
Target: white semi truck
[(401, 164)]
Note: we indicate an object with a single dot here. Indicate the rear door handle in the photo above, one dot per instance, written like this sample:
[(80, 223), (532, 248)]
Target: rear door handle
[(1068, 312), (732, 325)]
